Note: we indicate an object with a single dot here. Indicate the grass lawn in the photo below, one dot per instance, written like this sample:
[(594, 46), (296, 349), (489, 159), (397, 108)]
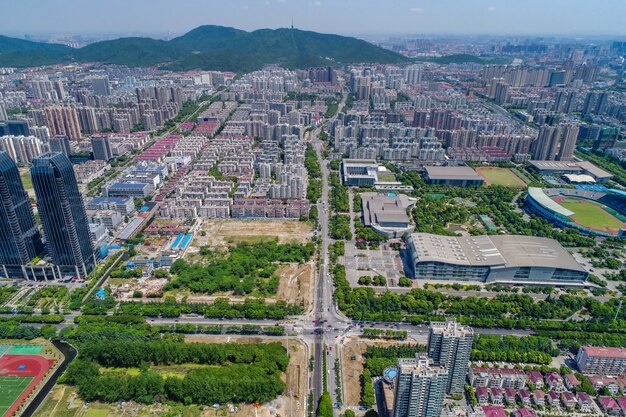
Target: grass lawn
[(26, 180), (97, 412), (500, 176), (11, 387), (592, 215)]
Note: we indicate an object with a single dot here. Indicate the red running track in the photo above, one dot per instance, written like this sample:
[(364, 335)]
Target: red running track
[(35, 366)]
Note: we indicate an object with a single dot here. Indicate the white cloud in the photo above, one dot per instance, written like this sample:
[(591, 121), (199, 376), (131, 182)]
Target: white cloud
[(491, 9), (317, 3), (417, 9)]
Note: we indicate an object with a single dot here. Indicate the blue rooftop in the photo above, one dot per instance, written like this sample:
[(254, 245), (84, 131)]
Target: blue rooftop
[(127, 185), (118, 200)]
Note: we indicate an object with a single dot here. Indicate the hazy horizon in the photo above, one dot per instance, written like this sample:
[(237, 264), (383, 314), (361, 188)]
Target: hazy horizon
[(167, 18)]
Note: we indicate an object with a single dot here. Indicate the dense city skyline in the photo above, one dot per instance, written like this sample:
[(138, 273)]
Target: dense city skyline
[(351, 17)]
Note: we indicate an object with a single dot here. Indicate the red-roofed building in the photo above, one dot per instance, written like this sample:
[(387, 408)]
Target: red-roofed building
[(496, 395), (553, 399), (609, 406), (524, 396), (622, 403), (571, 382), (539, 398), (609, 382), (502, 378), (509, 395), (554, 381), (601, 360), (524, 412), (482, 395), (493, 411), (536, 378), (585, 402), (568, 399)]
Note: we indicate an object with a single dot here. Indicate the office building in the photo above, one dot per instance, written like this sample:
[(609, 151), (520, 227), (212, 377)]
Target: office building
[(60, 143), (101, 147), (20, 240), (14, 128), (499, 258), (601, 360), (420, 388), (450, 345), (101, 86), (62, 213)]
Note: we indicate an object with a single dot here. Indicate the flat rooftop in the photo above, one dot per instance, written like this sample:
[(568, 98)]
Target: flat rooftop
[(500, 251), (382, 208), (572, 167), (606, 352), (452, 173)]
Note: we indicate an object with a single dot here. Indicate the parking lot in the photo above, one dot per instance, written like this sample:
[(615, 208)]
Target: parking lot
[(371, 262)]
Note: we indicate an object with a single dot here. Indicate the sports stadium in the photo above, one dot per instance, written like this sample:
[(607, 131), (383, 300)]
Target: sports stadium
[(592, 209)]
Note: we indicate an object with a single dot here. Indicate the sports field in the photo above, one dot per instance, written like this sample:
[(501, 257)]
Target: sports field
[(19, 375), (24, 350), (500, 176), (11, 387), (591, 215)]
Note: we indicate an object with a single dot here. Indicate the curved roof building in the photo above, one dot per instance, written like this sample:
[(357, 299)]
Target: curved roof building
[(499, 258)]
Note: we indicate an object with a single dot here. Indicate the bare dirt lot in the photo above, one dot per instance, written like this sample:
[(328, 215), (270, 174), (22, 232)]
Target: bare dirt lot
[(222, 233), (296, 284), (352, 369), (295, 378)]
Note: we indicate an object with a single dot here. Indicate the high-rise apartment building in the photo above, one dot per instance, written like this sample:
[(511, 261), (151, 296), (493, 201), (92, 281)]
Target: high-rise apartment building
[(62, 213), (544, 148), (20, 240), (450, 346), (420, 388), (569, 134), (63, 120)]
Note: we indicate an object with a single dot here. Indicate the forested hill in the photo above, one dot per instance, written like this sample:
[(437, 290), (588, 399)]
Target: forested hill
[(206, 47)]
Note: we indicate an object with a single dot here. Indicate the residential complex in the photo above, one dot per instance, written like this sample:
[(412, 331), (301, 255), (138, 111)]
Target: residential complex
[(450, 345), (420, 388), (602, 360)]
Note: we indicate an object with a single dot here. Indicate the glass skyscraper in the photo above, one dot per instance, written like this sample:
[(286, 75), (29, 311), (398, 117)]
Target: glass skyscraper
[(62, 214), (20, 240)]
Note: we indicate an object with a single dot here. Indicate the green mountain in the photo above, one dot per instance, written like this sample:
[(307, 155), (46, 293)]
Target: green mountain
[(207, 47), (20, 45)]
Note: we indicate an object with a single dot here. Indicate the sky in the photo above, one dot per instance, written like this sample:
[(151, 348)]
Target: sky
[(348, 17)]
